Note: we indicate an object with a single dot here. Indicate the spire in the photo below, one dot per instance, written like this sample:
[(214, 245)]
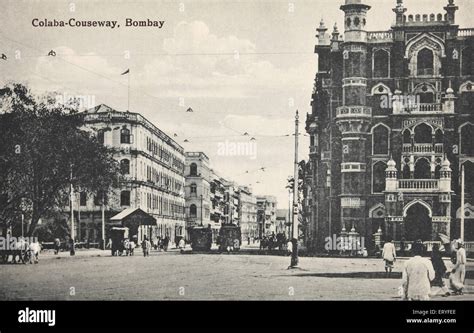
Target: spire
[(451, 9), (335, 31), (322, 26), (400, 11), (322, 37)]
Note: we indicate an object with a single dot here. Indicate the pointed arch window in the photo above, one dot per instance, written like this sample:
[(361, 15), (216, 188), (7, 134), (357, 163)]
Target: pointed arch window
[(407, 137), (381, 64), (467, 139), (425, 62), (467, 61), (423, 134), (378, 177), (380, 140), (406, 174)]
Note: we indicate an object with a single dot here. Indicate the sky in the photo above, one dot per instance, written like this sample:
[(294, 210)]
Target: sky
[(243, 67)]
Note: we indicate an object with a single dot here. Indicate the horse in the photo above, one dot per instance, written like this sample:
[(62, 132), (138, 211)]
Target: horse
[(129, 247), (33, 252)]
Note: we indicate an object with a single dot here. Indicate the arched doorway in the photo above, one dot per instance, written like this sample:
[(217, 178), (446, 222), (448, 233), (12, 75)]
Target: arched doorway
[(417, 223)]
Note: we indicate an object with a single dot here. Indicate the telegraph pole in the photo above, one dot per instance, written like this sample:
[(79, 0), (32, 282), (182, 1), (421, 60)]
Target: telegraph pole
[(294, 253), (71, 199), (103, 221), (462, 200)]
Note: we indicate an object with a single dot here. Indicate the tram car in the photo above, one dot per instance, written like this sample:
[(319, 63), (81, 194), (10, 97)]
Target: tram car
[(201, 238), (230, 238)]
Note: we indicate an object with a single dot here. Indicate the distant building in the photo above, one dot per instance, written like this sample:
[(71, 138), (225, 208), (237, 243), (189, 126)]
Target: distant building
[(198, 190), (282, 223), (248, 214), (153, 168), (266, 214), (232, 203)]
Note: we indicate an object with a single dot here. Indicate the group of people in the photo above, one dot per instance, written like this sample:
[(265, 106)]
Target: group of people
[(273, 241), (424, 277), (22, 252), (162, 244)]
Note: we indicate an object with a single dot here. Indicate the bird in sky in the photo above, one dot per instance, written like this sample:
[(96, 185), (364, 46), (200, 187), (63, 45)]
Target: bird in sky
[(52, 53), (4, 57), (189, 110)]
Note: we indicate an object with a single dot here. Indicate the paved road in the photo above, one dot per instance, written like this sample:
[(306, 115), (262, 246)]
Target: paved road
[(95, 275)]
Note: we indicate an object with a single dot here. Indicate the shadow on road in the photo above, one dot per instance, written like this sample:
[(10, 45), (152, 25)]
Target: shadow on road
[(354, 275), (365, 275)]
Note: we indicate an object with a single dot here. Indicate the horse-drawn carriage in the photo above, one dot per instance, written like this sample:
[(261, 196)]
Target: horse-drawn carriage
[(118, 237), (19, 251)]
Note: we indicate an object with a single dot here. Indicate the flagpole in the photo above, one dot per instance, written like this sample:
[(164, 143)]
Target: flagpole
[(128, 102)]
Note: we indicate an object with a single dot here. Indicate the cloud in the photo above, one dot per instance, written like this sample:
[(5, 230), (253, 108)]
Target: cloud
[(202, 64)]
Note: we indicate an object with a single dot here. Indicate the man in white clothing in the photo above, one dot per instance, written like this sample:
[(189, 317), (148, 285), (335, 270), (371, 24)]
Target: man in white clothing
[(389, 255), (417, 274)]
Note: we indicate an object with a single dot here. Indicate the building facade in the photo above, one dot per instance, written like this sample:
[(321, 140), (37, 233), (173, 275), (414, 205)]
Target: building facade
[(282, 222), (266, 214), (248, 214), (391, 127), (198, 190), (153, 167)]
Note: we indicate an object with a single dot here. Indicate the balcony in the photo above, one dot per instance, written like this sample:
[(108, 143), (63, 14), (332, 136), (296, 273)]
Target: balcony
[(423, 148), (353, 112), (423, 108), (380, 36), (418, 185), (466, 32)]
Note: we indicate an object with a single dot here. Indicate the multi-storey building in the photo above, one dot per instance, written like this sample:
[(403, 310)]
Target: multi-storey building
[(391, 127), (282, 224), (198, 190), (232, 203), (153, 167), (266, 214), (248, 214)]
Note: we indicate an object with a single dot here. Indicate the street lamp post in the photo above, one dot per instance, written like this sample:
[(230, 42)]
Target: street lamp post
[(294, 253), (463, 176)]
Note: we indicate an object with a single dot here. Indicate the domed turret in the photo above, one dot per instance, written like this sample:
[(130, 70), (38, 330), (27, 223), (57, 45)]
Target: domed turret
[(355, 20)]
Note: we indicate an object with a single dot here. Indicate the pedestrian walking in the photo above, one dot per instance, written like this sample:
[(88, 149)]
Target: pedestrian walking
[(440, 270), (389, 256), (181, 245), (57, 245), (72, 247), (146, 246), (289, 247), (417, 275), (458, 273), (166, 242)]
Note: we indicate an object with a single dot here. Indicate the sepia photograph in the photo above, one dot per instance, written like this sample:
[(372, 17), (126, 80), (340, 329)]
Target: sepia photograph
[(233, 151)]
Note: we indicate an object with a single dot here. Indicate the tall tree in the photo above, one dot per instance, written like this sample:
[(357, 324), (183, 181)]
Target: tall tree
[(43, 151)]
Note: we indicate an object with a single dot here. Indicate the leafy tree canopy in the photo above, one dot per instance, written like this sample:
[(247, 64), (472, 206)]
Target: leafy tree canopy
[(43, 150)]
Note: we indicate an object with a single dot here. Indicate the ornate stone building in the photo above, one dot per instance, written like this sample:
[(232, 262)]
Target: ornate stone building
[(391, 125), (153, 167)]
